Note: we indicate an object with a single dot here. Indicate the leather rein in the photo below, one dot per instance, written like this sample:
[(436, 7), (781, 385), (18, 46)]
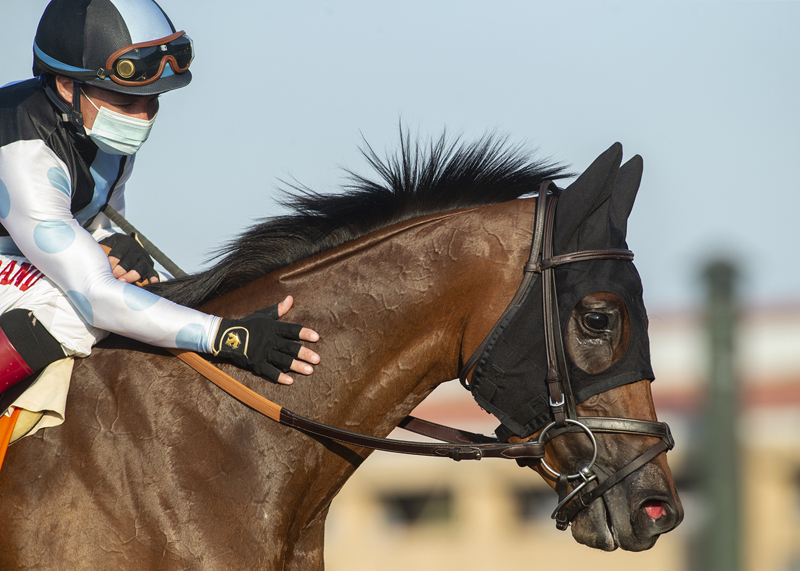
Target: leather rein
[(459, 444), (463, 445)]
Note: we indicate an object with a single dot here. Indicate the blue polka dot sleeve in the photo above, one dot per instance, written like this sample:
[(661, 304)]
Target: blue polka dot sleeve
[(35, 202)]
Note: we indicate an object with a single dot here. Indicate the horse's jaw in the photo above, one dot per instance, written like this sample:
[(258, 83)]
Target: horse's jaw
[(624, 516)]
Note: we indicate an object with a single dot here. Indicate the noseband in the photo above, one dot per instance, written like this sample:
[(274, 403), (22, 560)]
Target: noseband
[(464, 445)]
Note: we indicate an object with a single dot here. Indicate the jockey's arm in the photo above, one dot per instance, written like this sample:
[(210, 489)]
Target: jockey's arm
[(40, 221)]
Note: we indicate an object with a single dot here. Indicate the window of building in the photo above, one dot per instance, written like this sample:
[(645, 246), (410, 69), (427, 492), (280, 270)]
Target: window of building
[(418, 507), (535, 504)]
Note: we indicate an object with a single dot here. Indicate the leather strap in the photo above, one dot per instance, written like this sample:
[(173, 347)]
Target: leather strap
[(562, 402), (228, 384), (149, 247), (528, 275), (455, 451), (470, 451), (610, 254), (443, 433), (612, 425), (584, 500)]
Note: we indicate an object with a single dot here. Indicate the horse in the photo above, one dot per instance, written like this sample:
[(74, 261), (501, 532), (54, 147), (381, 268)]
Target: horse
[(403, 276)]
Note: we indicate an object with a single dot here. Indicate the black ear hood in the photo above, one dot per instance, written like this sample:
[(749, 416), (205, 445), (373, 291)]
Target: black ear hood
[(591, 214), (593, 211)]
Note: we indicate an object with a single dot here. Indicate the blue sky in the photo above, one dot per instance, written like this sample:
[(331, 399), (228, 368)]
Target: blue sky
[(707, 92)]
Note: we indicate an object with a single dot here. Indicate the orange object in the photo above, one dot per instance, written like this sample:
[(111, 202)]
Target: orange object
[(7, 424)]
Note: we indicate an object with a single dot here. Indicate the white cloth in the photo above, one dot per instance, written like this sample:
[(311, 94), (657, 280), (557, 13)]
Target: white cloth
[(45, 400), (22, 286), (35, 209)]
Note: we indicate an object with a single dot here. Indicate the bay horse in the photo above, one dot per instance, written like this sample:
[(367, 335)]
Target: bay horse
[(155, 468)]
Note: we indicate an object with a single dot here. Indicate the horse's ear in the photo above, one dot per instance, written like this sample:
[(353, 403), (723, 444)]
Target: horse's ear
[(583, 208), (625, 189)]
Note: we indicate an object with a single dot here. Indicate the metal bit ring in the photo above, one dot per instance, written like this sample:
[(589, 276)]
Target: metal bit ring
[(585, 469)]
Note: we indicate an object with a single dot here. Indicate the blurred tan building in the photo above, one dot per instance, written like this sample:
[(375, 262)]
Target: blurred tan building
[(408, 513)]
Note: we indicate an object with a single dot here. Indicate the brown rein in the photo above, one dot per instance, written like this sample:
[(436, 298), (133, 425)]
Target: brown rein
[(460, 444)]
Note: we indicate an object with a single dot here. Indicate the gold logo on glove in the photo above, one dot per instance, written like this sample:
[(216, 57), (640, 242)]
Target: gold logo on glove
[(233, 341)]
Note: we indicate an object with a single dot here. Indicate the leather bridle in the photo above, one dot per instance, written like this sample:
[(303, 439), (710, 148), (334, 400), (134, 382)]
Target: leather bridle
[(562, 403), (462, 445)]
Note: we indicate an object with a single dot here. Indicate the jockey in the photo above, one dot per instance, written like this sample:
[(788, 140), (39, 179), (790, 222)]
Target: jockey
[(68, 140)]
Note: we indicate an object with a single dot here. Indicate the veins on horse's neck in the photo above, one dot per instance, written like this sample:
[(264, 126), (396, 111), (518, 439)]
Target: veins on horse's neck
[(328, 257)]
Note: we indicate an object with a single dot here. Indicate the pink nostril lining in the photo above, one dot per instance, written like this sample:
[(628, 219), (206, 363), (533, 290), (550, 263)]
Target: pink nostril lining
[(655, 510)]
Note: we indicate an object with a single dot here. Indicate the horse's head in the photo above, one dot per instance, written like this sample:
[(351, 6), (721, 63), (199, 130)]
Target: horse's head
[(571, 366)]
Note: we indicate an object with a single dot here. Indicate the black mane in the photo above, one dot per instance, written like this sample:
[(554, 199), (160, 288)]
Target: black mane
[(446, 176)]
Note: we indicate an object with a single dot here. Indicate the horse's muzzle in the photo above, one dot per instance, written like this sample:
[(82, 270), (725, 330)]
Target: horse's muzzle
[(632, 515)]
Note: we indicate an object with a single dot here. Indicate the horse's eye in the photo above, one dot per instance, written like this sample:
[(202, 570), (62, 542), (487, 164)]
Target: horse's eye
[(595, 321)]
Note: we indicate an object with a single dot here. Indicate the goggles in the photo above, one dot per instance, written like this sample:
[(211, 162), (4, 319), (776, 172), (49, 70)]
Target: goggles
[(143, 63)]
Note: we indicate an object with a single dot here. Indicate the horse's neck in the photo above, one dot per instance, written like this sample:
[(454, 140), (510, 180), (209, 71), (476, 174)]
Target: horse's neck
[(397, 311)]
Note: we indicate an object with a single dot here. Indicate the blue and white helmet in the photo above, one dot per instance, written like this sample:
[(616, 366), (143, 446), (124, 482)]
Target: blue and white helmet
[(126, 46)]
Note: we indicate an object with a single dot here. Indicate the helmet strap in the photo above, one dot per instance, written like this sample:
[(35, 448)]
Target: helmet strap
[(76, 115), (73, 115)]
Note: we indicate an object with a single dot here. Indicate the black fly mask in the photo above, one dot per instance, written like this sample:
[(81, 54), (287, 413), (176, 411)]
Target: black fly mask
[(588, 254)]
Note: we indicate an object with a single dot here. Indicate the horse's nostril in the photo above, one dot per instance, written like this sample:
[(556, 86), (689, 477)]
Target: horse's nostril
[(655, 509)]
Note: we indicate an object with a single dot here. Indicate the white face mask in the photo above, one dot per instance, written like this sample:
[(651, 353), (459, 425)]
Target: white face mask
[(118, 134)]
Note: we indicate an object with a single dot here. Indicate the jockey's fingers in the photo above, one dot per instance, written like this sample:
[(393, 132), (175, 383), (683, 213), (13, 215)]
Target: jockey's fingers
[(307, 334), (308, 356), (285, 305), (130, 277), (301, 367), (116, 269), (285, 379)]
